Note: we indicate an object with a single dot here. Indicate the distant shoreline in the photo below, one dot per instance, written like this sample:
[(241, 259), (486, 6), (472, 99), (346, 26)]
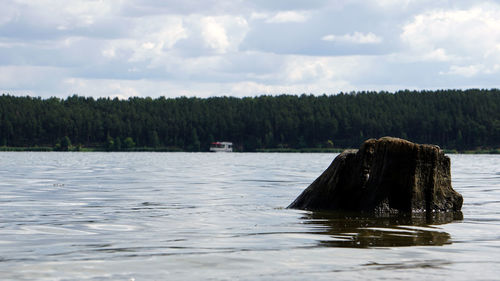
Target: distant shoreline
[(465, 120), (175, 149)]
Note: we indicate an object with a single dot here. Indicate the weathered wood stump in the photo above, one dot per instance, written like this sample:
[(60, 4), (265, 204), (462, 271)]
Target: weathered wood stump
[(385, 176)]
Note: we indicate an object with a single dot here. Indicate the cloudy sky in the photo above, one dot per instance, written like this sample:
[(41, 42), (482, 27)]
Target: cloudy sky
[(240, 48)]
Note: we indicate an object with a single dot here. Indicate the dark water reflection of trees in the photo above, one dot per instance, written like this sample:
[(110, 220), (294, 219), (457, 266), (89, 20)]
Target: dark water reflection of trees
[(351, 230)]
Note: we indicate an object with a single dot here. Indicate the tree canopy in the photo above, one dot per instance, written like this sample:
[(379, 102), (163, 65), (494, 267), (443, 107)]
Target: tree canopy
[(453, 119)]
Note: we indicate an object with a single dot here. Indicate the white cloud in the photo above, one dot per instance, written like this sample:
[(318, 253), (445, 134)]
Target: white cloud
[(305, 69), (465, 71), (124, 89), (288, 16), (86, 12), (250, 88), (154, 36), (65, 15), (292, 75), (392, 3), (28, 78), (221, 34), (121, 89), (208, 66), (109, 52), (467, 38), (130, 47), (151, 39), (356, 38), (321, 70), (8, 13), (438, 54), (214, 34), (154, 39), (258, 16)]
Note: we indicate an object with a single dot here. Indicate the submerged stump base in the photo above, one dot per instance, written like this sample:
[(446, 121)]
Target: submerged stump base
[(387, 176)]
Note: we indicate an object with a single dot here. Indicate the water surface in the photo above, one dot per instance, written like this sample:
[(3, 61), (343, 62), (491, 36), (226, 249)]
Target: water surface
[(201, 216)]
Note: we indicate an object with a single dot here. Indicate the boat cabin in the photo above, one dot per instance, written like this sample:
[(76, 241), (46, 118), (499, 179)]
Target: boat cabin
[(222, 146)]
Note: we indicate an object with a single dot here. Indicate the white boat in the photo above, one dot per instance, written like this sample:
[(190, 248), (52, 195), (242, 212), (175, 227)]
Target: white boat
[(221, 146)]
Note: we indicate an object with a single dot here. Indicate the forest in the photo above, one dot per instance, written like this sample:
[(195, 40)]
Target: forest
[(453, 119)]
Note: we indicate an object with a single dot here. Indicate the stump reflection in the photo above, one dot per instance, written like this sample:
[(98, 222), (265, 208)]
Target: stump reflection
[(356, 231)]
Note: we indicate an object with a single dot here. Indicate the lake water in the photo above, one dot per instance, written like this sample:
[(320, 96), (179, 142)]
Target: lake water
[(201, 216)]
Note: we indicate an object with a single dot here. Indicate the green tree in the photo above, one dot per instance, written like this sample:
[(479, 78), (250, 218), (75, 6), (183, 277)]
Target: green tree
[(110, 144), (155, 139), (460, 119), (195, 141), (129, 143), (118, 144), (65, 143)]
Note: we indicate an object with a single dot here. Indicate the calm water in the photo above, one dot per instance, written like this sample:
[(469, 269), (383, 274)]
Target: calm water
[(200, 216)]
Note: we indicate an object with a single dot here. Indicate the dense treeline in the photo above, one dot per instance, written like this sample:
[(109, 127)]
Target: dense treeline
[(453, 119)]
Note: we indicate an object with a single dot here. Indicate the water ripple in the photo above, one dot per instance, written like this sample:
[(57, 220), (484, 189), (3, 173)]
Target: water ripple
[(194, 216)]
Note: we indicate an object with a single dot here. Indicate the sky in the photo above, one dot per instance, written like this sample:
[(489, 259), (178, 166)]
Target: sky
[(124, 48)]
